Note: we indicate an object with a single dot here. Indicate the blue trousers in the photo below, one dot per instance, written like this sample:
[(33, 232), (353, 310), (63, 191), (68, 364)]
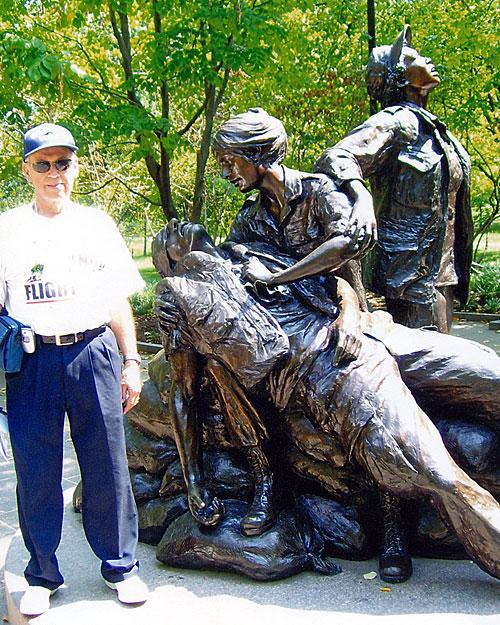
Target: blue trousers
[(82, 381)]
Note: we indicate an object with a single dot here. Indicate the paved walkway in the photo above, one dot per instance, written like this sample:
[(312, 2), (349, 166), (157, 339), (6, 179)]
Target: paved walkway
[(476, 331), (453, 592)]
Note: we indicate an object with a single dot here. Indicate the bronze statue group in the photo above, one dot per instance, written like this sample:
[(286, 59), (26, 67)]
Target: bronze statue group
[(275, 318)]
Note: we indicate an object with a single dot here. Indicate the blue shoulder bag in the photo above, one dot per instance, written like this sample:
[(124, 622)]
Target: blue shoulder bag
[(11, 344)]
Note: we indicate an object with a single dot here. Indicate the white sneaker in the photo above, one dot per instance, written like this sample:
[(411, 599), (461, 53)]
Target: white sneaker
[(130, 590), (36, 600)]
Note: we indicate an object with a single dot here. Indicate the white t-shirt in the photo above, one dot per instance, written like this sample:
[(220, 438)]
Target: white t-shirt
[(63, 274)]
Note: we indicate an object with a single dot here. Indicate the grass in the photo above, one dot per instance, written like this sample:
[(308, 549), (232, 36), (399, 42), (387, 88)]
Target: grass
[(490, 245), (487, 256), (485, 287), (143, 303), (145, 266), (149, 275)]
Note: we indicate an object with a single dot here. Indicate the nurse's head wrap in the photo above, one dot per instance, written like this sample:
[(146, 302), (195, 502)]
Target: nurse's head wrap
[(255, 135), (386, 70)]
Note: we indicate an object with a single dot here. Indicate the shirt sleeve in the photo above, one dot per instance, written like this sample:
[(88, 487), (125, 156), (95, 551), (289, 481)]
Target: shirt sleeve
[(121, 274), (366, 150), (333, 209)]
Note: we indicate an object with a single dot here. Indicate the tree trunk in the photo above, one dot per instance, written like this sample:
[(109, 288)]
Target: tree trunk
[(372, 41), (203, 154), (160, 173), (165, 187)]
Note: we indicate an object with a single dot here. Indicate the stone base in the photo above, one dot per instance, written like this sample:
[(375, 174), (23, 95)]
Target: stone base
[(453, 592)]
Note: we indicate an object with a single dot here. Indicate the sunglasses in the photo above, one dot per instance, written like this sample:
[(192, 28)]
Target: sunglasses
[(42, 167)]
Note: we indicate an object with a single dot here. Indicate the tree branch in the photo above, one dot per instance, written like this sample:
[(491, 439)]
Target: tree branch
[(164, 94), (218, 100), (195, 117), (111, 92), (202, 107), (122, 36), (128, 187), (79, 44)]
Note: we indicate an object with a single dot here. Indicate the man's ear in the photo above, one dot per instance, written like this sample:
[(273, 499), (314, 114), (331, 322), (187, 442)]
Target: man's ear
[(26, 171)]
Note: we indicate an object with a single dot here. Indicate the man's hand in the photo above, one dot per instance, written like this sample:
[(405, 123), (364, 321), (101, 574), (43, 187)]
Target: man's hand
[(254, 271), (167, 314), (206, 510), (131, 385), (122, 324)]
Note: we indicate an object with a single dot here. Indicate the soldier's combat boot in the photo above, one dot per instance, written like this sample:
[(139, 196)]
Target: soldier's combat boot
[(261, 513), (395, 561)]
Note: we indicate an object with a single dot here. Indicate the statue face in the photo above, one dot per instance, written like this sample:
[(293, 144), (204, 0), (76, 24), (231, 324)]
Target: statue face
[(178, 241), (183, 237), (420, 71), (240, 172)]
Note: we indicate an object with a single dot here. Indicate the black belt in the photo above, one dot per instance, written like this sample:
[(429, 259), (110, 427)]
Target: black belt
[(70, 339)]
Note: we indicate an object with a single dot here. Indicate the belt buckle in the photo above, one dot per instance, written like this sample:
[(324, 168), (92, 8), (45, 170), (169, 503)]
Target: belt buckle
[(72, 334)]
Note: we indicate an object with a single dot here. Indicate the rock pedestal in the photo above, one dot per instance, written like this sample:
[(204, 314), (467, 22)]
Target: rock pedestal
[(329, 506)]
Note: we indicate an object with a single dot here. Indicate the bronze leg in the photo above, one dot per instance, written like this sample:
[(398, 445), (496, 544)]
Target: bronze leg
[(410, 314), (409, 459), (248, 431), (394, 560), (442, 309)]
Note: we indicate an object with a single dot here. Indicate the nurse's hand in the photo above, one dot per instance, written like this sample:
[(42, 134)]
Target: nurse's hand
[(362, 222)]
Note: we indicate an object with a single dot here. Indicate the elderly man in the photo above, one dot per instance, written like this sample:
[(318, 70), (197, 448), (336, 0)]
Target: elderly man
[(66, 273)]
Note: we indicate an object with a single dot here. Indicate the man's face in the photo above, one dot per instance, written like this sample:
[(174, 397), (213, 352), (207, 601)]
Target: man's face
[(55, 184), (240, 172), (183, 237)]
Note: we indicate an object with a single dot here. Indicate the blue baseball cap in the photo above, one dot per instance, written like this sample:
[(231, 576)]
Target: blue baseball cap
[(47, 136)]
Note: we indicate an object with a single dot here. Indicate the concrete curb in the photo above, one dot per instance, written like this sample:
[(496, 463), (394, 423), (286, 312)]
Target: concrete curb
[(471, 316), (148, 348)]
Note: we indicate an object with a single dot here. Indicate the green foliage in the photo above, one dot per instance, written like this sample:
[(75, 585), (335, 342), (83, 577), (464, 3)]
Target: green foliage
[(135, 90), (225, 199), (485, 287), (315, 83), (143, 303), (136, 77)]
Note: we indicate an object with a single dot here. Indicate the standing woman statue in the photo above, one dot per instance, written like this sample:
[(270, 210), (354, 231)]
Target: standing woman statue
[(420, 181)]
